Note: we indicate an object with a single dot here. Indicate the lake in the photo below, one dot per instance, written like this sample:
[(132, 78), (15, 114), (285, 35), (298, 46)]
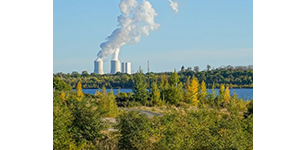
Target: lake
[(242, 93)]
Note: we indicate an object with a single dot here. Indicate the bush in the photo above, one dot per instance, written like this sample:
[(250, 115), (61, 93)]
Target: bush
[(135, 130), (134, 104), (60, 85), (122, 95), (87, 124), (195, 129), (62, 120), (78, 124)]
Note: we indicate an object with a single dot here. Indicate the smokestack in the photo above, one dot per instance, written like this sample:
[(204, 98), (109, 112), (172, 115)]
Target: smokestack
[(128, 67), (125, 67), (115, 66), (98, 66)]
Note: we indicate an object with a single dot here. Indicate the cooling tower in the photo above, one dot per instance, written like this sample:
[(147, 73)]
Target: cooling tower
[(123, 67), (115, 66), (98, 66), (128, 67)]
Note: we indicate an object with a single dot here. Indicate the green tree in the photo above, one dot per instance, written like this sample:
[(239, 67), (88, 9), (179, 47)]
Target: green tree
[(85, 73), (196, 69), (174, 78), (62, 120), (60, 85), (156, 95), (75, 74), (140, 88), (135, 129), (208, 67), (87, 123), (112, 107)]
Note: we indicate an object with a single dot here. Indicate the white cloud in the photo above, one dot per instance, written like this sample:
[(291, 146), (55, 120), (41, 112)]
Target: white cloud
[(174, 6)]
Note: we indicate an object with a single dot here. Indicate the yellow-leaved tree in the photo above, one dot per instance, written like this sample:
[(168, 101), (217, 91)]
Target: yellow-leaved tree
[(193, 91), (80, 93), (227, 95), (63, 96), (202, 92), (222, 92)]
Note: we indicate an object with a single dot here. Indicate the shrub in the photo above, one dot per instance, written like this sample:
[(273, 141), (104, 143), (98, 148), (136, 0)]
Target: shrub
[(60, 85)]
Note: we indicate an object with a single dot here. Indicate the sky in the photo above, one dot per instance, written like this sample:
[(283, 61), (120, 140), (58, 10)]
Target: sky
[(203, 32)]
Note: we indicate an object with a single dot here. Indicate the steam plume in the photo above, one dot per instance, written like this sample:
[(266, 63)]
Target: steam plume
[(137, 19), (174, 6)]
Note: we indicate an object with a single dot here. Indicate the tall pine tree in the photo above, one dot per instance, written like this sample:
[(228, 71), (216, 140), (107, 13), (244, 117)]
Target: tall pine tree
[(174, 78), (140, 88)]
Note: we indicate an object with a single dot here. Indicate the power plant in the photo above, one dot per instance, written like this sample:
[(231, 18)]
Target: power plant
[(115, 67), (136, 20), (98, 66), (128, 68), (123, 67)]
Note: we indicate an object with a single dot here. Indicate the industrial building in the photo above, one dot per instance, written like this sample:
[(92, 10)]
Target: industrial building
[(125, 67), (115, 66), (98, 66)]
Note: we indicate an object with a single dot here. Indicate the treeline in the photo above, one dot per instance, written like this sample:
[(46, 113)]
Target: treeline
[(193, 118), (172, 91), (233, 77)]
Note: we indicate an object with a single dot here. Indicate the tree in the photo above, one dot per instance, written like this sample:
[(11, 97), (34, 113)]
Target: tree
[(208, 67), (63, 96), (193, 91), (182, 69), (187, 82), (227, 95), (222, 92), (140, 88), (156, 95), (87, 123), (188, 69), (80, 93), (203, 92), (174, 78), (75, 74), (62, 120), (112, 108), (85, 73), (60, 85), (196, 69), (163, 81)]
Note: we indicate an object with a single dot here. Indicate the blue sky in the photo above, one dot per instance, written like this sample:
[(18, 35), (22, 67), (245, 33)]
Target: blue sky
[(218, 33)]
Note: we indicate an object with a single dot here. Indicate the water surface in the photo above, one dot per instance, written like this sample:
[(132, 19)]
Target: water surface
[(242, 93)]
